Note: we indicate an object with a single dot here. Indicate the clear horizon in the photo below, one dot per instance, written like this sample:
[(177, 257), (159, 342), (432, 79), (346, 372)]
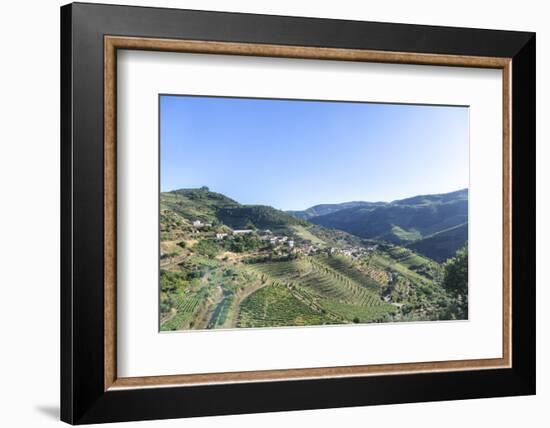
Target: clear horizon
[(293, 154), (320, 203)]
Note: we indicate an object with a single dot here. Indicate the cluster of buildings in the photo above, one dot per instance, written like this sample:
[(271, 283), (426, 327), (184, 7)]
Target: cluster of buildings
[(353, 252), (236, 232), (278, 240), (197, 224), (308, 249), (303, 248), (265, 235)]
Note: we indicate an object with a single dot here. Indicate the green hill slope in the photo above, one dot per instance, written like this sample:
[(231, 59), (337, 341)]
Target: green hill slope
[(196, 204), (324, 209), (442, 245), (406, 221), (211, 207), (261, 216), (436, 198)]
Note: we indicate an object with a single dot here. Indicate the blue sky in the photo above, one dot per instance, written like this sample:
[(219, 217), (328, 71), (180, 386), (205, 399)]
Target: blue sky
[(294, 154)]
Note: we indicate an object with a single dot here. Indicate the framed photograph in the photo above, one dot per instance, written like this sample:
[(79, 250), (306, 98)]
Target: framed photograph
[(265, 213)]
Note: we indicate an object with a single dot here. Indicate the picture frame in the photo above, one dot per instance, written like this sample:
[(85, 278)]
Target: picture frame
[(91, 390)]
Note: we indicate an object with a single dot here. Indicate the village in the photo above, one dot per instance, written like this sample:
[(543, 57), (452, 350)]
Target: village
[(292, 244)]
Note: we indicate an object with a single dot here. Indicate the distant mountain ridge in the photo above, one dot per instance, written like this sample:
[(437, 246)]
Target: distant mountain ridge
[(434, 225), (461, 194), (323, 209)]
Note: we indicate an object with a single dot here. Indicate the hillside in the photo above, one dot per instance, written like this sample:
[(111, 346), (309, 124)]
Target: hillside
[(180, 208), (196, 204), (260, 216), (216, 209), (442, 245), (406, 221), (323, 209), (228, 265), (436, 198)]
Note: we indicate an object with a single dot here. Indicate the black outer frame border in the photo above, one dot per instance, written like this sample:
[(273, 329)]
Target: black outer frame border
[(83, 399)]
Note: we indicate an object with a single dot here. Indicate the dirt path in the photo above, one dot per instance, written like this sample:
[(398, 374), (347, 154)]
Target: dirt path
[(204, 316), (173, 261), (217, 309), (172, 314)]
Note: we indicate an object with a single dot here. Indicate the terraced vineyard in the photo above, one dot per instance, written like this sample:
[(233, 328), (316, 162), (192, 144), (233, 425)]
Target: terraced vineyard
[(227, 265), (408, 258), (185, 309), (385, 262), (341, 265), (326, 285), (335, 285), (359, 313), (276, 306), (285, 270)]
